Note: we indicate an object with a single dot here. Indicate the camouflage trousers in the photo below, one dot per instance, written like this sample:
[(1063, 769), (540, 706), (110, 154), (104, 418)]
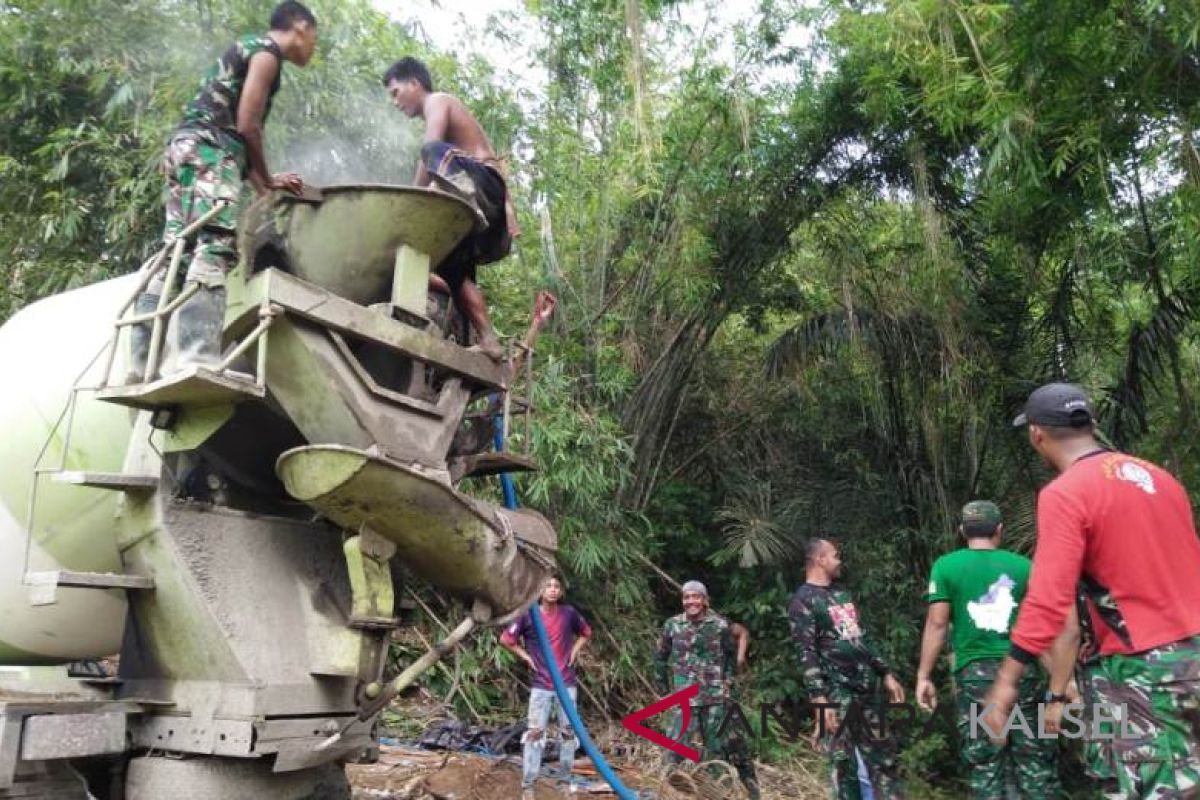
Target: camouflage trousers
[(728, 745), (200, 174), (858, 737), (1154, 750), (1025, 762)]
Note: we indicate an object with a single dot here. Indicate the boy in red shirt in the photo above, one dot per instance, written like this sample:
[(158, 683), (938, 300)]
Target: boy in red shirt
[(1121, 529), (568, 632)]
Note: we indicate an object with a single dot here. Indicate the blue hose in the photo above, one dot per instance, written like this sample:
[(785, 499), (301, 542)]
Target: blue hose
[(560, 688), (506, 481)]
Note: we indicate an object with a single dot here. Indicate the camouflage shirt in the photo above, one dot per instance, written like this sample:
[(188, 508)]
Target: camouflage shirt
[(836, 657), (213, 111), (700, 652)]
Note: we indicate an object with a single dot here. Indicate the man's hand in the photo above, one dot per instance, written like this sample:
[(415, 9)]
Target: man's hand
[(825, 721), (286, 182), (528, 659), (893, 688), (926, 694), (1054, 711), (510, 219), (1053, 717), (999, 703), (543, 307)]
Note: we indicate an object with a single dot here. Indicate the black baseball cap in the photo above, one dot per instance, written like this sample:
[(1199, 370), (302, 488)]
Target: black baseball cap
[(1057, 405)]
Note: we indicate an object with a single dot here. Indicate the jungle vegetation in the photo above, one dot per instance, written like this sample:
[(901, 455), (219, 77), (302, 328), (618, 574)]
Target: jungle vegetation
[(803, 287)]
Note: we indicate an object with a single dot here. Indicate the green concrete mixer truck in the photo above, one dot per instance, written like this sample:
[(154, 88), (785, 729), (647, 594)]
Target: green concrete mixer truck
[(234, 530)]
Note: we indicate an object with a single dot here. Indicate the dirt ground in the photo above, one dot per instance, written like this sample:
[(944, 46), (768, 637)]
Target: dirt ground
[(410, 774), (405, 773)]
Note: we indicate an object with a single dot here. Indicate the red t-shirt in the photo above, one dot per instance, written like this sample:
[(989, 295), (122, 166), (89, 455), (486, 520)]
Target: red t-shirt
[(1122, 527), (563, 626)]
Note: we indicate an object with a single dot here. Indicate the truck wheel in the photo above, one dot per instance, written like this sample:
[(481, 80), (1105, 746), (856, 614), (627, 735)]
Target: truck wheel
[(207, 778)]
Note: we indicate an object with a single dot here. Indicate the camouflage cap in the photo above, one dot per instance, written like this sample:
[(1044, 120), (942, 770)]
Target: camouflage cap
[(981, 515)]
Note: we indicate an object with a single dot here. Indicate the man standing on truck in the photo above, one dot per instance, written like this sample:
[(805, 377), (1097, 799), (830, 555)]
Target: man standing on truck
[(220, 142), (458, 157)]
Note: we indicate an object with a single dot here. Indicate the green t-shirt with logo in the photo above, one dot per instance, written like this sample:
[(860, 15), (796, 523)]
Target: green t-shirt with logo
[(983, 588)]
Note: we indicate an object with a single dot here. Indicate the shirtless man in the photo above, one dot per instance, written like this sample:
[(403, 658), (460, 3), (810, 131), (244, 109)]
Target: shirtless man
[(457, 156)]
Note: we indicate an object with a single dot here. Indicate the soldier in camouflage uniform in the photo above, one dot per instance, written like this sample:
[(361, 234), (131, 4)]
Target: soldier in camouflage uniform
[(219, 142), (1122, 528), (841, 666), (975, 592), (697, 647)]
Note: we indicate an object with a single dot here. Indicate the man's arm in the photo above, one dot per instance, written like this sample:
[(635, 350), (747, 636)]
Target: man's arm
[(1061, 668), (728, 654), (873, 658), (264, 67), (1062, 655), (1044, 613), (510, 215), (583, 635), (511, 641), (804, 631), (890, 683), (741, 638), (1057, 564), (437, 126), (937, 621)]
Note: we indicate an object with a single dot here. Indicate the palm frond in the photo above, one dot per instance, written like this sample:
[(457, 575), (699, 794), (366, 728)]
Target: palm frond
[(1152, 345), (754, 533), (817, 337)]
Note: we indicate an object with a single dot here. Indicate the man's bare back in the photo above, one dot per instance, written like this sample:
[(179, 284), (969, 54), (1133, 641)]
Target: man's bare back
[(448, 120)]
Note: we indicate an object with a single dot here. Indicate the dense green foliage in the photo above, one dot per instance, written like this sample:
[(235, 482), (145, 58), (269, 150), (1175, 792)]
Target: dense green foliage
[(803, 289)]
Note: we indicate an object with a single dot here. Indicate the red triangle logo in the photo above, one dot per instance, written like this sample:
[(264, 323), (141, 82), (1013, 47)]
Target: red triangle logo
[(633, 724)]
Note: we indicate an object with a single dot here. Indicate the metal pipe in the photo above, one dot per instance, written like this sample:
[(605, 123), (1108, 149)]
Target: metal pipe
[(506, 405), (159, 256), (405, 679), (156, 331), (414, 670), (146, 275), (260, 358), (154, 263), (183, 297), (246, 343), (526, 443)]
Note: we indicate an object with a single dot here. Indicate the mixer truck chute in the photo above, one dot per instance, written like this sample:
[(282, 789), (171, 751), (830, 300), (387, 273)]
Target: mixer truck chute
[(231, 529)]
